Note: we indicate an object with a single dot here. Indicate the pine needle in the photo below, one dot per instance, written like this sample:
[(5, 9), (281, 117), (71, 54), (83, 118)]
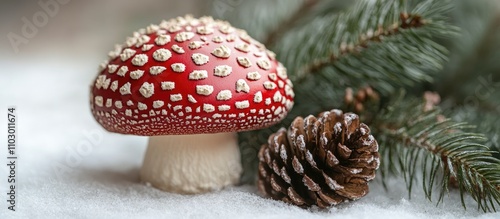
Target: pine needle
[(417, 138)]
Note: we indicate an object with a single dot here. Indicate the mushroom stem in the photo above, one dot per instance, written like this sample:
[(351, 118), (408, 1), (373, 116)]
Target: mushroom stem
[(190, 164)]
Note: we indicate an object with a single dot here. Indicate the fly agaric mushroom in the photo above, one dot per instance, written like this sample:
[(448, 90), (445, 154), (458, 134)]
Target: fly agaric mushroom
[(190, 84)]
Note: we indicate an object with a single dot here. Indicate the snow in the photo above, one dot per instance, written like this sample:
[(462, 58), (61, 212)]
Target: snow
[(69, 167)]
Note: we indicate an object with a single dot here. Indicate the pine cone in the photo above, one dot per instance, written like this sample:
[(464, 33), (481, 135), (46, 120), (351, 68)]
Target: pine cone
[(320, 162)]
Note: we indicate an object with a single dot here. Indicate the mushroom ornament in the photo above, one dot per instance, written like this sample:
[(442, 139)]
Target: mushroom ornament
[(190, 84)]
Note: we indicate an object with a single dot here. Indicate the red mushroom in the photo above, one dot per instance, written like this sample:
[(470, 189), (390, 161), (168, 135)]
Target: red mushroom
[(190, 84)]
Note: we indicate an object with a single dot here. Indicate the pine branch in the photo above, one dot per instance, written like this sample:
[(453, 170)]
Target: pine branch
[(370, 43), (402, 58), (407, 21), (414, 140)]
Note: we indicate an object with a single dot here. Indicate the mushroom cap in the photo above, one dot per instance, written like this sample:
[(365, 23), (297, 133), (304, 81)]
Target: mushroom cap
[(190, 76)]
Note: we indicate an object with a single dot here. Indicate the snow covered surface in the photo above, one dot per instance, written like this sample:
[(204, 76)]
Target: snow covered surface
[(69, 167)]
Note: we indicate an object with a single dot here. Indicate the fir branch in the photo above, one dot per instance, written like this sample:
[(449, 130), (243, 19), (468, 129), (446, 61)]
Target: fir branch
[(400, 59), (370, 43), (407, 21), (414, 140)]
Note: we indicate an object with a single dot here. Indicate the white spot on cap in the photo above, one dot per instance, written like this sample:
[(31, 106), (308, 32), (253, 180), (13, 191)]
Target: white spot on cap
[(281, 84), (98, 101), (116, 52), (142, 40), (132, 40), (218, 39), (204, 90), (281, 72), (147, 89), (199, 59), (204, 30), (174, 28), (114, 85), (162, 55), (195, 45), (269, 85), (178, 67), (152, 28), (242, 104), (224, 95), (99, 81), (264, 64), (152, 113), (191, 99), (140, 60), (224, 107), (253, 76), (177, 108), (147, 47), (223, 70), (184, 36), (109, 102), (162, 40), (118, 104), (244, 61), (158, 103), (175, 97), (268, 101), (142, 106), (136, 74), (241, 85), (244, 47), (208, 108), (230, 38), (289, 91), (178, 49), (273, 76), (245, 37), (125, 89), (198, 75), (277, 96), (188, 109), (167, 85), (226, 29), (257, 98), (105, 84), (122, 71), (128, 112), (289, 104), (271, 54), (112, 68), (277, 111), (130, 103), (156, 70), (222, 52), (126, 54)]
